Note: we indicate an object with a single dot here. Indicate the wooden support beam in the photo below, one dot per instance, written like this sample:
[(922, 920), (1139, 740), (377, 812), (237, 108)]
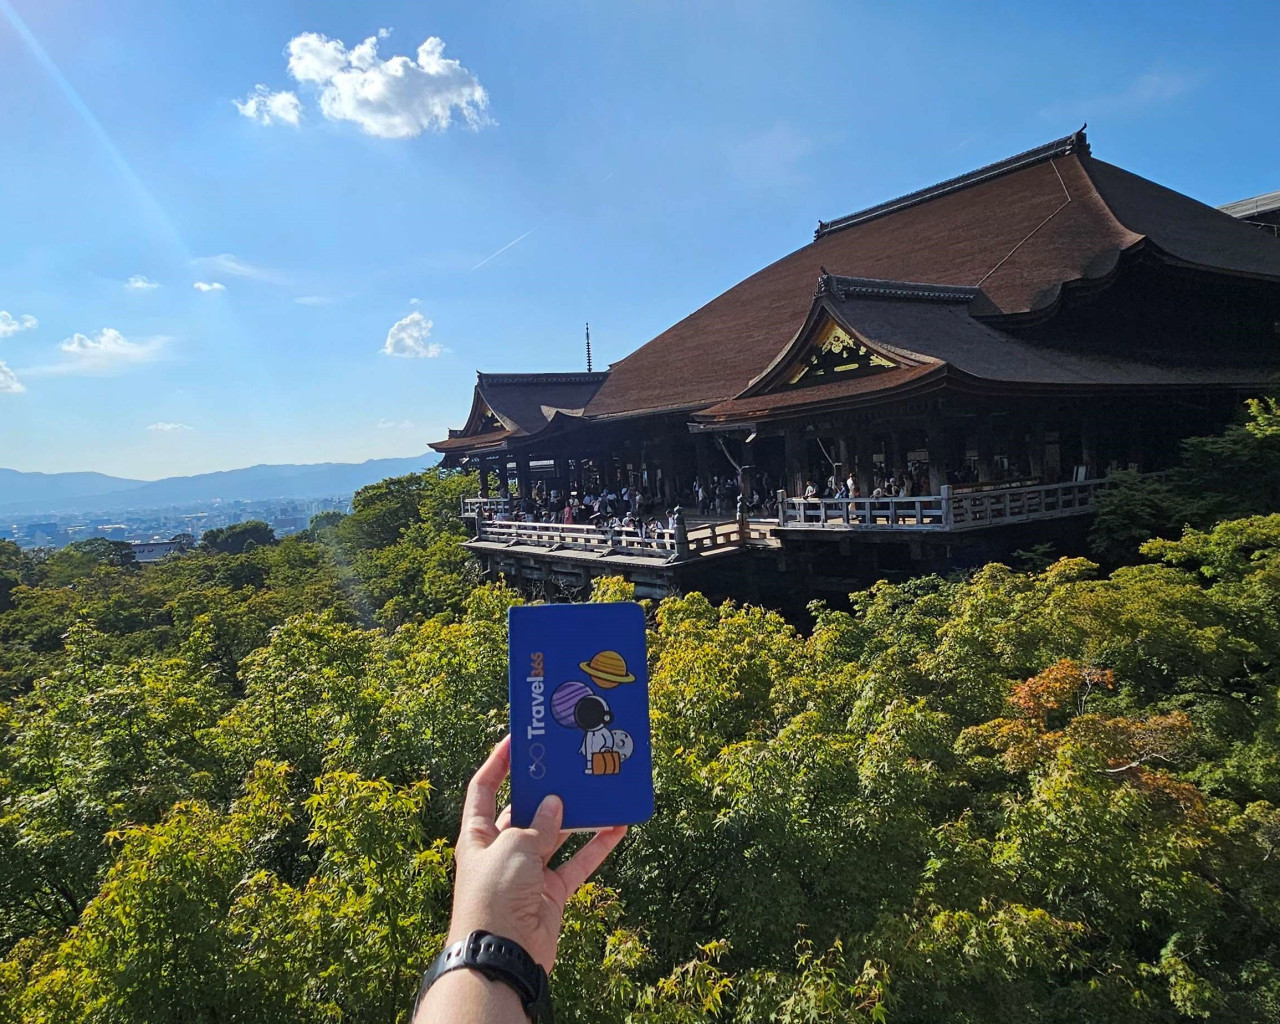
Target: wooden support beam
[(793, 446)]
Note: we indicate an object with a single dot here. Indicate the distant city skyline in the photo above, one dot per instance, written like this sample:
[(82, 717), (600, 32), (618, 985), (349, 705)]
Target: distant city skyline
[(219, 252)]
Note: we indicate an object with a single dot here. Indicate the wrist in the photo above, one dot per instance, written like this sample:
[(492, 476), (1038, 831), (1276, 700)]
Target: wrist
[(489, 999)]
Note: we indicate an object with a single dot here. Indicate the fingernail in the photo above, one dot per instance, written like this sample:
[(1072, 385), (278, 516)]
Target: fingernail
[(550, 805)]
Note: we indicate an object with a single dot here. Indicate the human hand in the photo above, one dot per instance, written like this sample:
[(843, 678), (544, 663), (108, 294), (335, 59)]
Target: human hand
[(503, 883)]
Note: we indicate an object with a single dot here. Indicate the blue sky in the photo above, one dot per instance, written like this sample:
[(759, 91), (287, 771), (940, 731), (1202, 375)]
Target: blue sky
[(641, 157)]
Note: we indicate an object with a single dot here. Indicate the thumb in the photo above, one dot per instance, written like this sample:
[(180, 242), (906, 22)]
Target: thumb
[(545, 827)]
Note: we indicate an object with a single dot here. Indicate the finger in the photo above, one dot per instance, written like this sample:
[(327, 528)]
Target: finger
[(504, 818), (482, 795), (545, 827), (582, 865)]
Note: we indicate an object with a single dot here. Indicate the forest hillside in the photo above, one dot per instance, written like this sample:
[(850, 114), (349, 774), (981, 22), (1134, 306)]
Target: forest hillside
[(230, 781)]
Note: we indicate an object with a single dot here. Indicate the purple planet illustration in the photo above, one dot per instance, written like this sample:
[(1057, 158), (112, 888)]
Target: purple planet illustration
[(564, 699)]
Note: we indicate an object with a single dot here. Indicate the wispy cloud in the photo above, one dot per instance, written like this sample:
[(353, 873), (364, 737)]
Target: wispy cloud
[(386, 424), (108, 350), (771, 159), (209, 286), (9, 383), (226, 264), (1142, 93), (103, 354), (415, 301), (141, 283), (164, 427), (408, 339), (313, 300), (11, 325), (492, 255)]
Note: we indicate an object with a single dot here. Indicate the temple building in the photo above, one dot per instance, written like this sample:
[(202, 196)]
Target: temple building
[(974, 358)]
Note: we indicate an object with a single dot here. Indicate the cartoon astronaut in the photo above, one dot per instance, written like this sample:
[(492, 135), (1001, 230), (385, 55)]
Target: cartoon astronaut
[(575, 706)]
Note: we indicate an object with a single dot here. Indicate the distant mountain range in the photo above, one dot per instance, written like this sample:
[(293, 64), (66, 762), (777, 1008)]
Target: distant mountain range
[(90, 492)]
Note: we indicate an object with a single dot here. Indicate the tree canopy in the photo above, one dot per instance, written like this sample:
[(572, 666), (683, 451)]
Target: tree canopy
[(230, 784)]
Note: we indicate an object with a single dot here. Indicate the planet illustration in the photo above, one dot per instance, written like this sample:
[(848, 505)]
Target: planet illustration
[(565, 698), (607, 669)]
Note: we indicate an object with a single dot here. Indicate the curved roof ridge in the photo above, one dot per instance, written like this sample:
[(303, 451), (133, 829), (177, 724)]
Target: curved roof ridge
[(502, 379), (873, 288), (1076, 142)]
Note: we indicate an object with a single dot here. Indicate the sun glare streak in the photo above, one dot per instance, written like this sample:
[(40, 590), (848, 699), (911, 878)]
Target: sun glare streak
[(155, 213)]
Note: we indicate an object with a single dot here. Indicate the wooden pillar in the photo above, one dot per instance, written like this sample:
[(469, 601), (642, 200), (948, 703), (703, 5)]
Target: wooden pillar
[(484, 477), (523, 476), (747, 477), (703, 455), (846, 465), (1134, 450), (866, 463), (1035, 449), (986, 449), (793, 447), (504, 482), (939, 452), (1088, 448), (894, 456)]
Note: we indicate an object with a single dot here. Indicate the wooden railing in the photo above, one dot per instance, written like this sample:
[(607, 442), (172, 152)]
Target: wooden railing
[(966, 510), (1022, 504), (927, 512), (570, 536), (472, 507), (665, 544)]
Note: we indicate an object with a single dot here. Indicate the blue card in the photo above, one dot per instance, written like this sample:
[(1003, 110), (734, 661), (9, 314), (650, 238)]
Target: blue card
[(580, 713)]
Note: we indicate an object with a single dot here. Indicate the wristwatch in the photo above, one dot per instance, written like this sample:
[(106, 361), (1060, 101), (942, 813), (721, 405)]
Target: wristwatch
[(498, 959)]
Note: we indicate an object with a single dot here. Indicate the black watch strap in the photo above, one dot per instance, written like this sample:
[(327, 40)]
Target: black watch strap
[(499, 959)]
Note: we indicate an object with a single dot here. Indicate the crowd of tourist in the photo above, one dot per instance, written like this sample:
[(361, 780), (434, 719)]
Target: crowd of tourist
[(620, 506), (607, 508)]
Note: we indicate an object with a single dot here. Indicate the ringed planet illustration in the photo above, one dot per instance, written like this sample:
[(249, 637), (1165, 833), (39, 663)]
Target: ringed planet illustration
[(607, 669)]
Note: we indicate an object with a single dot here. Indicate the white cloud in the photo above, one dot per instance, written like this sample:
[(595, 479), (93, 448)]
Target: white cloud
[(10, 325), (414, 301), (209, 286), (313, 300), (408, 338), (141, 283), (9, 383), (396, 98), (168, 428), (386, 424), (107, 350), (232, 266), (267, 107)]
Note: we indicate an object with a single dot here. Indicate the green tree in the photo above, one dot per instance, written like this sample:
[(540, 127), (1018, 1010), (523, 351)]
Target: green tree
[(237, 538)]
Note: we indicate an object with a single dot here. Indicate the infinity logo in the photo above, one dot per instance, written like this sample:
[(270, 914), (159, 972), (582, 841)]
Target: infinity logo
[(536, 753)]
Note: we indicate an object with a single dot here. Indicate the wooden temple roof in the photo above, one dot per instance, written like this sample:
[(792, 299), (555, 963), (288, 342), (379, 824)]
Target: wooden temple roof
[(512, 405), (1019, 229), (928, 335), (998, 247)]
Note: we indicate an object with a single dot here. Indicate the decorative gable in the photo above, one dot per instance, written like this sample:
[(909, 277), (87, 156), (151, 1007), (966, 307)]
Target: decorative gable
[(835, 354), (488, 419)]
